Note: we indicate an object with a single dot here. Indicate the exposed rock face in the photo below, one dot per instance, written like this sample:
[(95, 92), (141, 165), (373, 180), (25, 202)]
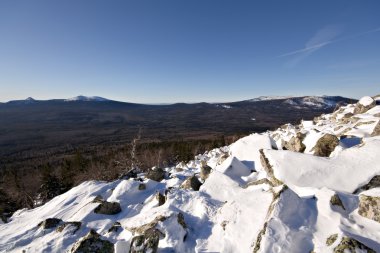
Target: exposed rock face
[(364, 105), (71, 225), (336, 201), (376, 130), (295, 143), (92, 243), (157, 174), (205, 171), (369, 207), (160, 198), (325, 145), (50, 223), (109, 208), (149, 235), (148, 242), (352, 246), (191, 183)]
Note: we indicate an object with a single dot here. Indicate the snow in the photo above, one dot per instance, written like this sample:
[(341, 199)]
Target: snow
[(366, 101), (302, 170), (238, 204), (266, 98), (86, 98)]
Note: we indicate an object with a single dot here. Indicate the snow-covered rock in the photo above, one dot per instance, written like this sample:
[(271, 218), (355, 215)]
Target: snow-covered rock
[(251, 196)]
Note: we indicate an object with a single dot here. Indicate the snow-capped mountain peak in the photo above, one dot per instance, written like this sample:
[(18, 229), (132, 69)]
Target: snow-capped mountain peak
[(86, 98)]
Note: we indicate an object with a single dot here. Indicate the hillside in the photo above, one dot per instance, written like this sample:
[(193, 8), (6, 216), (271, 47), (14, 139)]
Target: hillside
[(31, 128), (312, 187)]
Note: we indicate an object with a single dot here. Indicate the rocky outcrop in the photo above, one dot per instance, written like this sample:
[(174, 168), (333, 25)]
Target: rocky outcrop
[(205, 171), (364, 105), (109, 208), (268, 169), (295, 143), (191, 183), (160, 198), (325, 145), (376, 130), (50, 223), (369, 207), (149, 235), (92, 243), (351, 245), (156, 174), (148, 242)]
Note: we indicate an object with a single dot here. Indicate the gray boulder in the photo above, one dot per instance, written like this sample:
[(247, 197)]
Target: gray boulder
[(156, 174), (295, 143), (376, 130), (91, 243), (325, 145), (362, 108), (205, 171), (191, 183), (50, 223), (109, 208), (369, 207)]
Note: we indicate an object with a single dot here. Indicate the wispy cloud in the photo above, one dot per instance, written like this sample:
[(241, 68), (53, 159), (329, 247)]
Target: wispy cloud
[(322, 38)]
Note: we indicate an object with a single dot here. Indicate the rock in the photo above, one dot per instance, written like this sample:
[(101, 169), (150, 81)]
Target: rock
[(149, 234), (156, 174), (160, 198), (268, 169), (325, 145), (373, 183), (295, 143), (222, 158), (98, 199), (142, 187), (181, 220), (336, 201), (376, 130), (50, 223), (71, 225), (350, 245), (364, 104), (148, 242), (109, 208), (331, 239), (191, 183), (115, 227), (92, 243), (369, 207), (205, 171)]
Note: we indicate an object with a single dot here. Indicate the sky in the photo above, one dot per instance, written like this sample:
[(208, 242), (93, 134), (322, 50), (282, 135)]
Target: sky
[(150, 51)]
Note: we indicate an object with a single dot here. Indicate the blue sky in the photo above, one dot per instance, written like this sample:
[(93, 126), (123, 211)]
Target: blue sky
[(188, 51)]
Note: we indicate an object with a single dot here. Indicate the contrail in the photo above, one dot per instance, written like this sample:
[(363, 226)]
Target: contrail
[(320, 45)]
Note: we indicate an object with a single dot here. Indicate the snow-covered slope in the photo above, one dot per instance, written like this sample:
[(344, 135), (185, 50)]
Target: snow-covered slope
[(321, 102), (313, 187), (86, 98)]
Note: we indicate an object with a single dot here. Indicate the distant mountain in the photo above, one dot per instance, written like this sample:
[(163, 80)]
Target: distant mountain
[(42, 125), (26, 101), (86, 98)]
